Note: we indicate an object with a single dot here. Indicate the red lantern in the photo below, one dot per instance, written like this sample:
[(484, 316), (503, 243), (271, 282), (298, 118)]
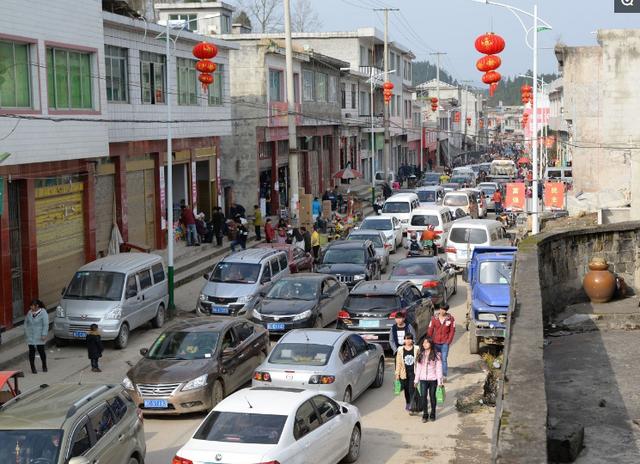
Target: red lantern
[(205, 51), (490, 44), (206, 79), (434, 108), (388, 85), (206, 66), (491, 77), (434, 100), (488, 63)]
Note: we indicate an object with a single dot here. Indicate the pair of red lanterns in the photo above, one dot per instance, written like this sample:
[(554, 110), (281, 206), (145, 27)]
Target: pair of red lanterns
[(387, 92), (527, 94), (490, 44), (525, 120), (205, 52), (434, 104)]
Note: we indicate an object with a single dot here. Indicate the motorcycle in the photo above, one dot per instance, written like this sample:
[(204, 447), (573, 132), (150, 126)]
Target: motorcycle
[(416, 250)]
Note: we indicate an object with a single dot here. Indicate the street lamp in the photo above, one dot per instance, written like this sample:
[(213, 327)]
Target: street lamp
[(542, 84), (538, 26)]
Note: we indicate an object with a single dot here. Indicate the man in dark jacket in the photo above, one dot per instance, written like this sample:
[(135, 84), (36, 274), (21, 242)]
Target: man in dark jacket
[(94, 347), (217, 222), (237, 210), (306, 236)]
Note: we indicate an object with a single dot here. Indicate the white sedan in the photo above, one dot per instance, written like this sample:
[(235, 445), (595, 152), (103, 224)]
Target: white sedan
[(388, 225), (275, 425)]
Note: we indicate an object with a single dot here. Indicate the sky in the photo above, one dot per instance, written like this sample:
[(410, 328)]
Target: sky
[(452, 26)]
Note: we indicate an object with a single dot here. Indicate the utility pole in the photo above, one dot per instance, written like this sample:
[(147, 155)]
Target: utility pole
[(438, 55), (466, 110), (387, 137), (293, 139), (170, 231)]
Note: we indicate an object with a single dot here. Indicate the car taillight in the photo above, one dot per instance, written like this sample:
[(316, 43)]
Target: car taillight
[(396, 313), (387, 245), (179, 460), (321, 379), (262, 376), (343, 315), (450, 250), (430, 284), (140, 415)]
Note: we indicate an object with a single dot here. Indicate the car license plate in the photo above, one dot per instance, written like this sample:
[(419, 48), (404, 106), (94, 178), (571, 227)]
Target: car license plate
[(275, 326), (219, 310), (156, 404), (79, 334), (371, 324), (369, 337)]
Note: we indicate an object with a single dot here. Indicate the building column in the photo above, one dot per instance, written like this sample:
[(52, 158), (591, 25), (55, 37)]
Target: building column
[(321, 185), (89, 212), (6, 300), (161, 204), (29, 241), (120, 164), (275, 193)]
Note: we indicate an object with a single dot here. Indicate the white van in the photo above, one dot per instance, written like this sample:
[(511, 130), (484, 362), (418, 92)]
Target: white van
[(400, 206), (465, 200), (466, 234), (440, 217), (119, 293)]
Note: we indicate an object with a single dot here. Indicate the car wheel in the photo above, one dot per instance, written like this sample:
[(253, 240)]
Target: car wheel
[(347, 395), (474, 342), (158, 321), (354, 445), (377, 383), (318, 324), (122, 339), (455, 285), (217, 393)]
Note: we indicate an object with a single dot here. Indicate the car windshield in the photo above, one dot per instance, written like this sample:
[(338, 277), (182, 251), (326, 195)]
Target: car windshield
[(488, 191), (305, 354), (396, 207), (431, 177), (496, 272), (427, 196), (293, 289), (468, 235), (424, 220), (371, 302), (342, 256), (184, 345), (239, 427), (412, 268), (456, 200), (95, 285), (377, 224), (375, 239), (33, 446), (459, 180), (236, 273)]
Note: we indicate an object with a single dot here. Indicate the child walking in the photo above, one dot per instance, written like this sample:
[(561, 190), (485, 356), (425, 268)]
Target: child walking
[(405, 365), (429, 374), (94, 347)]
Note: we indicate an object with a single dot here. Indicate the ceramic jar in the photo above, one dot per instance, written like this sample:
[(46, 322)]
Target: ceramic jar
[(599, 283)]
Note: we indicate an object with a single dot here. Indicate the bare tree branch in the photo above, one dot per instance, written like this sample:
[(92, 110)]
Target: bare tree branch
[(303, 17), (265, 14)]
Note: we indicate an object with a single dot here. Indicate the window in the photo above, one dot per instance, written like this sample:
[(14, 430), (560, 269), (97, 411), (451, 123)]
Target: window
[(333, 89), (345, 354), (115, 60), (308, 86), (152, 77), (158, 273), (80, 441), (216, 90), (132, 287), (363, 56), (354, 95), (244, 330), (364, 104), (321, 87), (283, 261), (69, 79), (276, 90), (392, 108), (191, 20), (275, 267), (225, 24), (358, 344), (238, 427), (101, 420), (187, 81), (307, 420), (327, 408), (15, 79), (145, 279), (266, 274), (343, 96), (229, 340), (118, 408)]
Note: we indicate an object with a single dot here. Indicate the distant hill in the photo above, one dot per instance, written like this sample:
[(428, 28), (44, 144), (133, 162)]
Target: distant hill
[(508, 91), (424, 71)]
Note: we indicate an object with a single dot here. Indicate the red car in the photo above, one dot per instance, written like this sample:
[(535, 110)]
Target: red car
[(299, 260)]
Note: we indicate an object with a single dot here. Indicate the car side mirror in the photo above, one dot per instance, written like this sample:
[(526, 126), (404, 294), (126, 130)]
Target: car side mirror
[(206, 276), (144, 351), (465, 275), (344, 409)]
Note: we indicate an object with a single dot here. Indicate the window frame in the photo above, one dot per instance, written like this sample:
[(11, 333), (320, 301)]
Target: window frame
[(354, 96), (308, 85), (53, 99), (156, 269), (283, 260), (215, 96), (140, 276), (124, 62), (187, 75), (322, 87), (146, 58), (281, 91), (82, 423), (91, 415), (297, 437), (29, 74), (332, 89)]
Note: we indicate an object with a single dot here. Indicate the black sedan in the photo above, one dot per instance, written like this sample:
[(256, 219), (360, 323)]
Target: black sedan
[(432, 275), (299, 301)]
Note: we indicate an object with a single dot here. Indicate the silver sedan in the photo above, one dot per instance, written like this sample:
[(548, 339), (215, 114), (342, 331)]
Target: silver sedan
[(337, 363)]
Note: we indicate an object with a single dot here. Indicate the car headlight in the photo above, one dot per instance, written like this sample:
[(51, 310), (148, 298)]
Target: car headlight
[(127, 383), (114, 314), (487, 317), (256, 314), (244, 299), (359, 277), (60, 311), (303, 315), (198, 382), (203, 297)]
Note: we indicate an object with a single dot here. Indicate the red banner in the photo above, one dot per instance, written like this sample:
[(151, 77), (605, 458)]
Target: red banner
[(456, 117), (554, 195), (515, 198)]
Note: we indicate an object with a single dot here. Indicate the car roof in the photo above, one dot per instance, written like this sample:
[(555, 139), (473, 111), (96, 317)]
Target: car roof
[(381, 216), (402, 196), (122, 262), (379, 287), (202, 324), (430, 209), (347, 244), (265, 400), (315, 336), (419, 259), (306, 276), (476, 223), (366, 232), (429, 188), (251, 255)]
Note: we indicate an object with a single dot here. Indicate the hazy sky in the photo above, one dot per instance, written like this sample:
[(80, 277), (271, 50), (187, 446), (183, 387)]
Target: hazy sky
[(452, 26)]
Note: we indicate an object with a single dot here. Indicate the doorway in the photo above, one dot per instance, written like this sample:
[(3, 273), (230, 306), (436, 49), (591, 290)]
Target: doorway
[(15, 245)]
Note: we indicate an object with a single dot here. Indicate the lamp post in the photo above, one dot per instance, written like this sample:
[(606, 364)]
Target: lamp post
[(540, 81), (535, 220)]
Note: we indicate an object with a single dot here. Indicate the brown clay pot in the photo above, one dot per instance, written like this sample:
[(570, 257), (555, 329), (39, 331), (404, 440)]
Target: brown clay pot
[(599, 283)]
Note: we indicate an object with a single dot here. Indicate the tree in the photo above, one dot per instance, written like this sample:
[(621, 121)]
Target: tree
[(266, 14), (304, 18), (242, 18)]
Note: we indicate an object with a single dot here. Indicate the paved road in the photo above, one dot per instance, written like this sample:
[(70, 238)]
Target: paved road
[(389, 435)]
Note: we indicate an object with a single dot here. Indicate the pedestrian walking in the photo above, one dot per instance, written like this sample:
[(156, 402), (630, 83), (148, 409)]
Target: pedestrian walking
[(269, 231), (217, 223), (189, 220), (405, 367), (315, 243), (241, 235), (257, 221), (316, 208), (497, 201), (237, 210), (442, 329), (94, 347), (428, 372), (306, 236), (398, 331), (36, 328)]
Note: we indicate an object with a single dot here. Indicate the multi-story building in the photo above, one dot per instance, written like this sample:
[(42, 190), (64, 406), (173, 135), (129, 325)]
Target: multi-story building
[(200, 17)]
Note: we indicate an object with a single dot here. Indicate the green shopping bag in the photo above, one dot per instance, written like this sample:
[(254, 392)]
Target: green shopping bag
[(440, 394), (397, 387)]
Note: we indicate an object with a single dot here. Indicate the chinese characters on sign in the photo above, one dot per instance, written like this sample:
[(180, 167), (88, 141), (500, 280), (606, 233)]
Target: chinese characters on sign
[(515, 198), (554, 195)]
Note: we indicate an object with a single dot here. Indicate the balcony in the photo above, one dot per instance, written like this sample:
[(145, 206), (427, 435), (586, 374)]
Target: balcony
[(278, 112), (369, 70)]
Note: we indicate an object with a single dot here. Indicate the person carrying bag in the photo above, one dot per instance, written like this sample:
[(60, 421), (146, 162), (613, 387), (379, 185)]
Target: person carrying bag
[(428, 375)]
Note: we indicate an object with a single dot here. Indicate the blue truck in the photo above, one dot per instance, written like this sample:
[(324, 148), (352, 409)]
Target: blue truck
[(489, 277)]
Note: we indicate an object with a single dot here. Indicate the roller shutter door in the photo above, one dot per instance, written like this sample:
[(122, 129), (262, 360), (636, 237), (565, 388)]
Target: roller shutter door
[(141, 207), (104, 212)]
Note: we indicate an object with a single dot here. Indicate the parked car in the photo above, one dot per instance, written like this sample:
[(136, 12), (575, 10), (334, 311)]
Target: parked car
[(193, 365), (276, 425), (400, 207), (299, 260), (464, 200), (432, 275), (466, 234), (300, 301), (430, 196), (119, 293), (72, 423), (489, 188), (389, 226), (440, 217), (430, 178), (371, 307), (238, 278), (350, 262), (378, 239), (335, 363)]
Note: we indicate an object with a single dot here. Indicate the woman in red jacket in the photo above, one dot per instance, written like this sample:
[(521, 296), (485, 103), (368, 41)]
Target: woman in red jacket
[(442, 329), (269, 231)]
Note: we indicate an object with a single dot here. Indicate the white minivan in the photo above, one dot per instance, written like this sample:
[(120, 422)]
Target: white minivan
[(400, 206), (440, 217), (460, 199), (466, 234)]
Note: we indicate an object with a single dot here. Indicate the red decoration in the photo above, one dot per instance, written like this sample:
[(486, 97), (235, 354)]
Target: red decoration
[(488, 63), (206, 66), (490, 44), (388, 85), (205, 51), (456, 116)]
